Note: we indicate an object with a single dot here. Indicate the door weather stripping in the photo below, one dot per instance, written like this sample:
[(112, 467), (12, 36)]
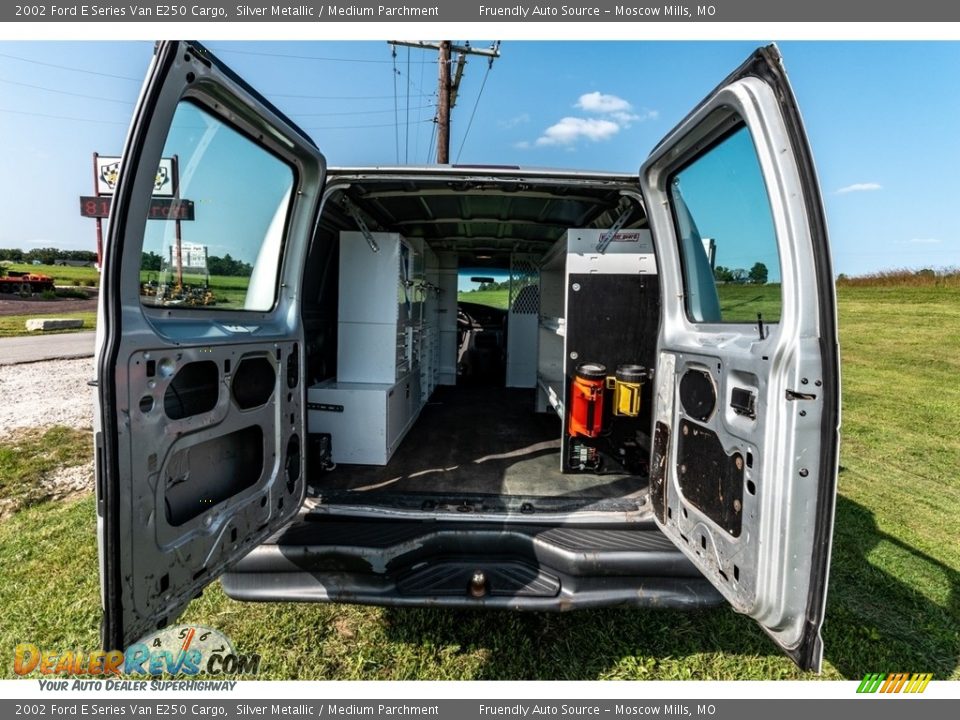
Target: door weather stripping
[(608, 236), (358, 219)]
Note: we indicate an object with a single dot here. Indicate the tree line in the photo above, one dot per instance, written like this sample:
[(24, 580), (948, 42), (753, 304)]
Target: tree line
[(46, 256), (225, 265), (757, 275)]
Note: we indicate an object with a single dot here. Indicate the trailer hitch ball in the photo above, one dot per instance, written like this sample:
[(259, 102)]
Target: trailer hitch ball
[(478, 584)]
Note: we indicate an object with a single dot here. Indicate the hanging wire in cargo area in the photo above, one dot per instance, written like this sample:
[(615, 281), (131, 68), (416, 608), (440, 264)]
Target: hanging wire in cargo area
[(396, 118)]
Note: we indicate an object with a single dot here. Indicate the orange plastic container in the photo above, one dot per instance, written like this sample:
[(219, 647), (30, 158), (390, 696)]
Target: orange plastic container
[(585, 417)]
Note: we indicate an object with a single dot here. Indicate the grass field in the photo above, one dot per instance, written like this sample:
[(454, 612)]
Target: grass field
[(14, 325), (738, 303), (894, 601), (61, 274)]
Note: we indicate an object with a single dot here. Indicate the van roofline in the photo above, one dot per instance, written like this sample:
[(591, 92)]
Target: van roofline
[(502, 171)]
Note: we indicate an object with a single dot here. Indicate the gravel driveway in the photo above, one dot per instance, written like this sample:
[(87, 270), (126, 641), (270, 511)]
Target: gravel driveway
[(41, 394), (46, 393)]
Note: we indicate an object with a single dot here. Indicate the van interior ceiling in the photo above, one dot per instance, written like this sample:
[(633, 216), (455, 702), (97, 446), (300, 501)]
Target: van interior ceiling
[(417, 401)]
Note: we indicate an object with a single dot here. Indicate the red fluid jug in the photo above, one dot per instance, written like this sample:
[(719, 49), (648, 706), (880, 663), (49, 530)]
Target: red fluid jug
[(585, 417)]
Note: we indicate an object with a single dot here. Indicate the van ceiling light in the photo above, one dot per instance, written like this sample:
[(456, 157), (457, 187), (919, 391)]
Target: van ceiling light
[(484, 257)]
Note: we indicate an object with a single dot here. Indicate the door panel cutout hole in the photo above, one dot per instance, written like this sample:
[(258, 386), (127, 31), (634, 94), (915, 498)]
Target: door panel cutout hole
[(736, 573), (165, 583), (293, 367), (685, 513), (749, 459), (228, 465), (292, 463), (723, 576), (195, 389), (146, 404), (684, 538), (253, 382), (233, 534), (697, 394), (751, 487), (151, 368), (703, 541)]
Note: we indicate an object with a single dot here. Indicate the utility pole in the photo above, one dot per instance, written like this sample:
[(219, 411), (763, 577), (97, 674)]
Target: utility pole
[(443, 105), (447, 90)]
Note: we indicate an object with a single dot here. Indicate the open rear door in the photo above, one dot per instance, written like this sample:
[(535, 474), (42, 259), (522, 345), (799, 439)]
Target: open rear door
[(200, 424), (747, 391)]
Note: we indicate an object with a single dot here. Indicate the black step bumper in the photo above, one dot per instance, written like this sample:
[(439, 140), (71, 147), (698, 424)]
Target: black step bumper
[(524, 567)]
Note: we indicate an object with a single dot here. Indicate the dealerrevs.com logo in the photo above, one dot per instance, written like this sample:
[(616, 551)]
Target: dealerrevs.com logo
[(178, 650)]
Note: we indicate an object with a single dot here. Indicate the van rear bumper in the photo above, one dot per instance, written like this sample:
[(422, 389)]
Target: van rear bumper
[(523, 567)]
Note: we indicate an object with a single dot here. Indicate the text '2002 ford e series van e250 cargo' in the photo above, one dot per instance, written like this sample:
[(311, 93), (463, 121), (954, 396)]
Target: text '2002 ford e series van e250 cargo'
[(292, 399)]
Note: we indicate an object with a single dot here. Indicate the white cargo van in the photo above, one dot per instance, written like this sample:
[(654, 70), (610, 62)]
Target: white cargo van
[(297, 403)]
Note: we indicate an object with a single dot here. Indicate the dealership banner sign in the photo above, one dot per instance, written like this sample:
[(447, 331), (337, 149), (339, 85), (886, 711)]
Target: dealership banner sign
[(107, 171)]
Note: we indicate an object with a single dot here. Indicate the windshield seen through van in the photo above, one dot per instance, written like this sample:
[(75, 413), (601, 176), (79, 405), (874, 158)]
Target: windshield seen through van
[(483, 286)]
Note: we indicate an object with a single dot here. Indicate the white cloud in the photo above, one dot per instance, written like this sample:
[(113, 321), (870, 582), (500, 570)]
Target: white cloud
[(520, 119), (859, 187), (597, 102), (571, 129), (615, 115), (925, 241), (522, 145)]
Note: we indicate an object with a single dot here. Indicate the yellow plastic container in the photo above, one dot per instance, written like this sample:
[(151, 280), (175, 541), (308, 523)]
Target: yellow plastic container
[(627, 383)]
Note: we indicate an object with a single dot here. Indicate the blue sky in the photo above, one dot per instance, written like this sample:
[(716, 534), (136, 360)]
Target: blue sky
[(882, 120)]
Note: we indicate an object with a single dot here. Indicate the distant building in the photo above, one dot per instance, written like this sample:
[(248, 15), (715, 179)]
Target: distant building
[(194, 258)]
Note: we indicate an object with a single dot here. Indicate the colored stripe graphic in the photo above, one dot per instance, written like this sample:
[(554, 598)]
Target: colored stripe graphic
[(894, 682)]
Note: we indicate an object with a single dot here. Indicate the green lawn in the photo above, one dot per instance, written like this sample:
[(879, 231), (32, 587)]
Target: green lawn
[(61, 274), (738, 303), (894, 600), (492, 298), (13, 325)]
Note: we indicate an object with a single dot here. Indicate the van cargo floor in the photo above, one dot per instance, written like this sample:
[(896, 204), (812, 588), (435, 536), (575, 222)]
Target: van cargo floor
[(474, 440)]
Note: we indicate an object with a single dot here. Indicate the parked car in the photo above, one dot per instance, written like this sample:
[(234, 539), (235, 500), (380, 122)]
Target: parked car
[(651, 440)]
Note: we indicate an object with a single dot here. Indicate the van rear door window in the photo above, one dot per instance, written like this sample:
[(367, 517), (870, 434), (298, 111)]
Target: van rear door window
[(223, 252)]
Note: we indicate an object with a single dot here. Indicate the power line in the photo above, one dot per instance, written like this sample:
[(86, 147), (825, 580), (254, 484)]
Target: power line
[(333, 97), (303, 57), (351, 127), (447, 90), (406, 145), (64, 117), (473, 112), (416, 145), (431, 148), (396, 117), (65, 92), (354, 112), (72, 69)]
